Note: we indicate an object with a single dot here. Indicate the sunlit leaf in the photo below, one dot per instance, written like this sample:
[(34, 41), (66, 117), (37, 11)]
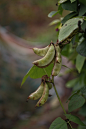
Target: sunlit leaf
[(53, 13), (62, 1), (68, 28), (54, 22)]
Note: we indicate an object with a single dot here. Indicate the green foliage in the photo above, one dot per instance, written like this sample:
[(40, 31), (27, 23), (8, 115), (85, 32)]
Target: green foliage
[(58, 123), (72, 1), (62, 1), (76, 102), (82, 10), (83, 110), (36, 72), (83, 2), (67, 17), (52, 14), (79, 62), (68, 29), (70, 6), (81, 49), (74, 119)]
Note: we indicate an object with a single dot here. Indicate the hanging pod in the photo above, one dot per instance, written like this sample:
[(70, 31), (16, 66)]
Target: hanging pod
[(49, 85), (45, 78), (57, 62), (41, 51), (58, 53), (44, 97), (37, 94), (47, 59)]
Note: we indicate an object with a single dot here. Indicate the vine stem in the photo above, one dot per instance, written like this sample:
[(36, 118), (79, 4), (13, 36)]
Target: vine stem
[(59, 99), (58, 95), (70, 125)]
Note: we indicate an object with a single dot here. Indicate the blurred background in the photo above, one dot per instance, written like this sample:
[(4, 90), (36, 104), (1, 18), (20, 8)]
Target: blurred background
[(25, 24)]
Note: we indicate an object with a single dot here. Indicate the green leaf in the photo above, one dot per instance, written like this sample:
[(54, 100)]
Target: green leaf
[(73, 40), (81, 49), (82, 10), (72, 1), (54, 22), (65, 50), (52, 14), (70, 6), (60, 9), (36, 72), (74, 119), (67, 17), (71, 83), (79, 62), (83, 90), (62, 1), (76, 102), (68, 28), (83, 26), (83, 2), (58, 123), (73, 95), (82, 111)]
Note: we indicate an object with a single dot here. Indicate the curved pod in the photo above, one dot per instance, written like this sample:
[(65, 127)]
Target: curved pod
[(49, 85), (58, 54), (41, 51), (44, 97), (56, 68), (47, 59), (58, 62), (37, 94)]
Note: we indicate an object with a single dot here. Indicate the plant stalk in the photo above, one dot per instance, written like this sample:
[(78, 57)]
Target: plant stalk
[(58, 95)]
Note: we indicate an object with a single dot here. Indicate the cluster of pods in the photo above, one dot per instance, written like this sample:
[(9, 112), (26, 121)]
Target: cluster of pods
[(42, 92), (51, 53)]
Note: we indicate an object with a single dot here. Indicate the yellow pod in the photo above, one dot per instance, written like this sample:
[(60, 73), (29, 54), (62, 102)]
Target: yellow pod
[(44, 97), (41, 51), (47, 59), (37, 94)]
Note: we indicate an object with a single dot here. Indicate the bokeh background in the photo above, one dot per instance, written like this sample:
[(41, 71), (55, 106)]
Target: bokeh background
[(25, 24)]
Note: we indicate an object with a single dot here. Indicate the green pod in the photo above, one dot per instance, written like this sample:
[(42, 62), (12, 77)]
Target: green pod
[(49, 85), (56, 68), (47, 59), (41, 51), (57, 62), (58, 54), (44, 97), (37, 94)]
